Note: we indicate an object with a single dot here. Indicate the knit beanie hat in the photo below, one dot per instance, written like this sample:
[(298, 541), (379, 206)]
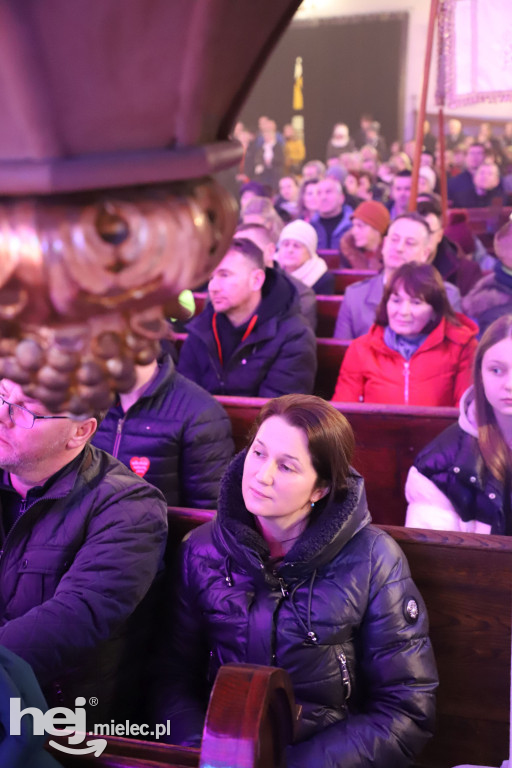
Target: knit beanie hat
[(429, 174), (459, 231), (373, 213), (302, 232)]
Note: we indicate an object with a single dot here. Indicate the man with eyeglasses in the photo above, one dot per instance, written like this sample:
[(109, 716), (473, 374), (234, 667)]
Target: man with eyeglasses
[(408, 239), (82, 539)]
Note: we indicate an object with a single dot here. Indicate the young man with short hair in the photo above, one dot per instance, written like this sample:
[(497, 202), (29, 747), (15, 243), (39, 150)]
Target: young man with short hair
[(251, 339)]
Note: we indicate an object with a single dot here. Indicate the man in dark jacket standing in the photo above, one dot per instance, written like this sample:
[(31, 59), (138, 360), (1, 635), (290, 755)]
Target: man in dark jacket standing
[(172, 433), (82, 539), (251, 338)]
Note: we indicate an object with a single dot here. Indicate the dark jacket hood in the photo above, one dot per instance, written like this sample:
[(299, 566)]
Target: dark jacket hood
[(446, 258), (334, 524), (278, 296)]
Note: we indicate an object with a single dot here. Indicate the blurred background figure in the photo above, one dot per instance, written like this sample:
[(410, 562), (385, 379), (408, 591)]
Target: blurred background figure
[(260, 210), (361, 246), (339, 142), (307, 204), (313, 169), (286, 202), (491, 297), (294, 150), (455, 133)]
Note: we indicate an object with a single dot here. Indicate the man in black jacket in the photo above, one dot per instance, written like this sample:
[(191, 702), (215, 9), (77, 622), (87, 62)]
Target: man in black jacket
[(251, 339), (82, 539), (172, 433)]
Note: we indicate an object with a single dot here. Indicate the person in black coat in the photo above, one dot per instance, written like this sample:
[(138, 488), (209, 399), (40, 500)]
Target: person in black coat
[(171, 432), (291, 574), (251, 339)]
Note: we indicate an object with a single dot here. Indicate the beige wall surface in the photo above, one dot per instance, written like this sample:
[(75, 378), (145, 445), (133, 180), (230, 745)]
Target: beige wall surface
[(418, 11)]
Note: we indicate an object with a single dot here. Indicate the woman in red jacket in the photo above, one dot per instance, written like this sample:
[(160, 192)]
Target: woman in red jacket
[(418, 352)]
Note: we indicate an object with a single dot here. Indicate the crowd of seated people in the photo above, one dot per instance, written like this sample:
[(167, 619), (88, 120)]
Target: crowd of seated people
[(103, 528)]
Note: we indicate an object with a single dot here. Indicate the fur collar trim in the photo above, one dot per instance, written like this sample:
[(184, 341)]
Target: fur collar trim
[(332, 527)]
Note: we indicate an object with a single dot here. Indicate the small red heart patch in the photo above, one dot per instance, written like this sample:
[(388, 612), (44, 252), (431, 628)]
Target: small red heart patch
[(139, 464)]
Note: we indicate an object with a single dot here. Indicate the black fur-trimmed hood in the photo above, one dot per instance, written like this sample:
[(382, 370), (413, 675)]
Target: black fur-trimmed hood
[(332, 527)]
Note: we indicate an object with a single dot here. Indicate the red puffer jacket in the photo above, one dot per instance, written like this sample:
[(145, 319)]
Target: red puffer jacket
[(437, 374)]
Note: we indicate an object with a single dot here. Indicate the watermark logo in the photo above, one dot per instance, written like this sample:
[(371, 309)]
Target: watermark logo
[(59, 721), (71, 724)]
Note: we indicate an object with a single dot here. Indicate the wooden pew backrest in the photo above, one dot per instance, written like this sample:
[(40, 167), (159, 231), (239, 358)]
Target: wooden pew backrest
[(327, 308), (344, 277), (329, 357), (388, 438), (466, 582), (484, 220), (331, 258)]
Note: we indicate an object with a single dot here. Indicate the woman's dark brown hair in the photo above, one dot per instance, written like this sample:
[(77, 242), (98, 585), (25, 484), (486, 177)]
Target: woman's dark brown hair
[(424, 282), (495, 451), (301, 208), (330, 436)]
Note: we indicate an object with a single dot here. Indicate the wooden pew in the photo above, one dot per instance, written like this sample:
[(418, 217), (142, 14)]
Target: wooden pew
[(388, 438), (344, 277), (466, 582), (331, 257), (329, 356), (329, 353), (250, 720), (484, 220), (200, 300), (327, 308)]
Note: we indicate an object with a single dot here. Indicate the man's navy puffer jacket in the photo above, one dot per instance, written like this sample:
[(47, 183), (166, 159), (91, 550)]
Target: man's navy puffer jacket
[(176, 436)]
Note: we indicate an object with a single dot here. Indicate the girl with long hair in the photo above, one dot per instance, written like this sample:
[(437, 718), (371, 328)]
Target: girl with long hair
[(462, 480)]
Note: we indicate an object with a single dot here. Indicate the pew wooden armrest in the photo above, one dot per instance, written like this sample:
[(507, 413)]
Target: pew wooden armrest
[(251, 718)]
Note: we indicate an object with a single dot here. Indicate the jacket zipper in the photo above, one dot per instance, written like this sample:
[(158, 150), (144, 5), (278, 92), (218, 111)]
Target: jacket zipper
[(117, 441), (406, 381), (345, 676), (21, 516)]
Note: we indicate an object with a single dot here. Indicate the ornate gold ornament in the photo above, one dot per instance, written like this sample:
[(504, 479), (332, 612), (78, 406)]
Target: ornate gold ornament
[(87, 281)]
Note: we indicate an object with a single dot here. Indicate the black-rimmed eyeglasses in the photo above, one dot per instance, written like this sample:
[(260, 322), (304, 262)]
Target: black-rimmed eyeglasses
[(22, 417)]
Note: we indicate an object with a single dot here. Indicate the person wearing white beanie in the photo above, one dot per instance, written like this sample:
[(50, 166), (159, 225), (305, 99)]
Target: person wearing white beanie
[(427, 180), (297, 255)]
